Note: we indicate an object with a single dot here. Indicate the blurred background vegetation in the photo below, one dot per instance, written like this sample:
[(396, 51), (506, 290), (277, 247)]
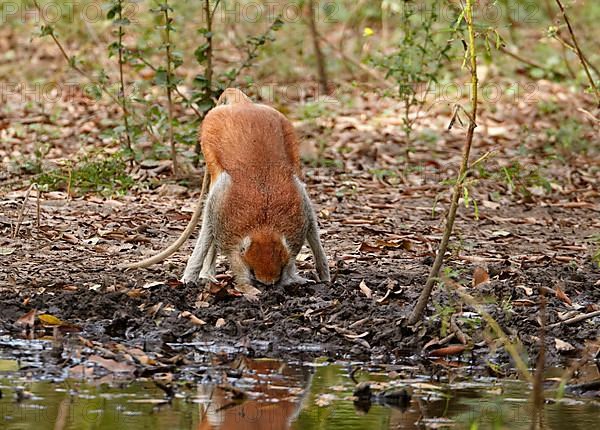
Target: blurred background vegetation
[(151, 69)]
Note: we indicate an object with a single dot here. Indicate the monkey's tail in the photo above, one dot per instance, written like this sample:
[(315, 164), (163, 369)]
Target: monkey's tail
[(232, 96), (181, 239)]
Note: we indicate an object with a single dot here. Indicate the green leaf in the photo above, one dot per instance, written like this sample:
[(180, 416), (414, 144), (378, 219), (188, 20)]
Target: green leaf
[(46, 30), (160, 78)]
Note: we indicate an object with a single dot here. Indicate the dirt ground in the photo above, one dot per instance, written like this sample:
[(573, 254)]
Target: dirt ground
[(381, 222)]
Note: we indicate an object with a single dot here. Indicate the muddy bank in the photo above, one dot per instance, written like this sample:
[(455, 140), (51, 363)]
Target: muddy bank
[(339, 321)]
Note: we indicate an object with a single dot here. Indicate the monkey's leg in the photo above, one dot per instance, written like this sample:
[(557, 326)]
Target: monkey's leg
[(312, 236), (291, 277), (206, 239), (209, 267), (196, 260), (318, 252)]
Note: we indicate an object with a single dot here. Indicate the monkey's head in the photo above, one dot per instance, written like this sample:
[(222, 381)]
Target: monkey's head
[(266, 256)]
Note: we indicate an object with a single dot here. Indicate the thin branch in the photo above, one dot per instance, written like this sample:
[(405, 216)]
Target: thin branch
[(529, 62), (576, 319), (22, 210), (566, 45), (251, 54), (439, 259), (373, 74), (208, 69), (169, 89), (212, 14), (122, 82), (71, 62), (580, 55), (187, 101), (321, 67)]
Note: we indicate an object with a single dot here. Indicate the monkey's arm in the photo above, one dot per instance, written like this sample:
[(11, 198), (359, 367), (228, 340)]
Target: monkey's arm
[(206, 241), (312, 235)]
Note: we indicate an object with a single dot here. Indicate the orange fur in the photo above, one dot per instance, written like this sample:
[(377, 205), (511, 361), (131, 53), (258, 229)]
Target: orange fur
[(257, 147)]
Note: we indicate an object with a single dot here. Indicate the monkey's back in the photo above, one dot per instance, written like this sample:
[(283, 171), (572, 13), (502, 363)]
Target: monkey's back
[(257, 147)]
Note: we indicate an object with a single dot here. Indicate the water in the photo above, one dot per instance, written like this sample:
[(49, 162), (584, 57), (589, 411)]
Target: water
[(272, 395)]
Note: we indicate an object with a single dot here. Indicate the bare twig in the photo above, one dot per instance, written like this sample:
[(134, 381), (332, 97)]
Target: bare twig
[(439, 259), (576, 319), (168, 21), (529, 62), (252, 52), (380, 79), (208, 69), (321, 68), (122, 79), (568, 46), (71, 62), (186, 99), (578, 51), (22, 210)]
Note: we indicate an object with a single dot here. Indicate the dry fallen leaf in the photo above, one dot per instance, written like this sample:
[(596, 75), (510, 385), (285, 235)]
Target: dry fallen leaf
[(220, 323), (560, 294), (480, 276), (366, 248), (563, 346), (27, 320), (366, 290), (81, 371), (193, 318), (248, 291), (448, 350)]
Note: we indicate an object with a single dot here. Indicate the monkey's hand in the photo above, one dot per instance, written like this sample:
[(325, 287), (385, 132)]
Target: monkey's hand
[(296, 280)]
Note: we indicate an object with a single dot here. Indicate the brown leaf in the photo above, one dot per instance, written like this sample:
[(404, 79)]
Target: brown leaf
[(111, 365), (248, 291), (27, 320), (480, 276), (365, 290), (448, 350), (560, 294), (366, 248), (563, 346), (134, 293), (193, 318)]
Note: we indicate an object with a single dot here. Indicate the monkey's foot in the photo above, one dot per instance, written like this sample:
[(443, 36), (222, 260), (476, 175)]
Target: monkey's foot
[(207, 277), (194, 278)]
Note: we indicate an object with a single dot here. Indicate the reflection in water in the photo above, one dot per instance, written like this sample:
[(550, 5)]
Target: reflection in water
[(273, 395), (273, 402)]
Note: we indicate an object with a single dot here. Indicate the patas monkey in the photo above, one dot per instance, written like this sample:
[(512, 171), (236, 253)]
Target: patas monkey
[(257, 212)]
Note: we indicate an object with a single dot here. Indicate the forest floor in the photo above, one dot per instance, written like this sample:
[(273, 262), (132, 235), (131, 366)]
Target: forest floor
[(528, 226)]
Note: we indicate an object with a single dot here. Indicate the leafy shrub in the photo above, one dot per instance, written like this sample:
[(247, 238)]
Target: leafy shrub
[(99, 173)]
